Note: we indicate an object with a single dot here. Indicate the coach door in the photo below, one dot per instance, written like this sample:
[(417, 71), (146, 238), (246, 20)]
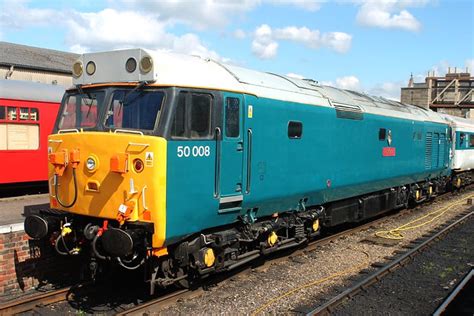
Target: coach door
[(231, 154)]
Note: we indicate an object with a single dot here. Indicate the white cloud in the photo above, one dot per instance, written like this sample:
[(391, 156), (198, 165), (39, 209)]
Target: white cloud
[(239, 34), (348, 82), (338, 41), (198, 14), (208, 13), (263, 45), (296, 76), (390, 90), (107, 30), (389, 14), (16, 14), (308, 5)]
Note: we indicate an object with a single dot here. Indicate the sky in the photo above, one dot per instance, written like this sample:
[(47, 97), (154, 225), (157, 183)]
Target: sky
[(365, 45)]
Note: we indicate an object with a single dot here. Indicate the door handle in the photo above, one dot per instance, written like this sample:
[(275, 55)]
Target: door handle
[(240, 146)]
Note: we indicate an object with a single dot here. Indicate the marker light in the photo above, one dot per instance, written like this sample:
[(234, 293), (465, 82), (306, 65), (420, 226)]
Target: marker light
[(146, 63), (90, 68), (77, 69), (138, 165), (131, 65), (91, 164)]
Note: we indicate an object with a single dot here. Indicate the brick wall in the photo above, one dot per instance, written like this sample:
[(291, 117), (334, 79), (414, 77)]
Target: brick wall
[(26, 264)]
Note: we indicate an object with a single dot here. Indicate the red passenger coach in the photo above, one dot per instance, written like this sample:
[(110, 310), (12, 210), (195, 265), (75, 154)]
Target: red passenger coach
[(28, 111)]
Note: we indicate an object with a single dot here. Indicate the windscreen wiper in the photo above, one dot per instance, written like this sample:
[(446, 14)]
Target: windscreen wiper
[(139, 86), (88, 104)]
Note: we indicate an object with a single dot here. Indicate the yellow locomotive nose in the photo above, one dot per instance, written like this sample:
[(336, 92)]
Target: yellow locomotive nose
[(115, 176)]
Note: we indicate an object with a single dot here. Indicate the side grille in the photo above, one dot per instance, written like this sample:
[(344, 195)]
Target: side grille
[(428, 150), (442, 149)]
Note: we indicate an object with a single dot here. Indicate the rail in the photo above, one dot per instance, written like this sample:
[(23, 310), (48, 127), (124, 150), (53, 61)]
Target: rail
[(329, 306)]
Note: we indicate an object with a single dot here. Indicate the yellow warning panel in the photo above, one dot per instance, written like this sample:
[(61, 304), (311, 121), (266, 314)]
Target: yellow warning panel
[(149, 159)]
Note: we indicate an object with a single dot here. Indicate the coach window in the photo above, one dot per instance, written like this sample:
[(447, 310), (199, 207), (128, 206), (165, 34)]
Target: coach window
[(2, 112), (232, 110), (295, 130), (24, 114), (12, 114), (471, 140), (462, 136), (34, 114)]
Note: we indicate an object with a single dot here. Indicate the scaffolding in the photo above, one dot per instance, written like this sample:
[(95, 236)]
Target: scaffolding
[(452, 93)]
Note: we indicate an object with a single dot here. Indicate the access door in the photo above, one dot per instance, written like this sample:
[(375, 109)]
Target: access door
[(231, 154)]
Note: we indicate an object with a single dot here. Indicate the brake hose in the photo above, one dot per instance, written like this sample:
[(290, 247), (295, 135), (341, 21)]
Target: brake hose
[(56, 183)]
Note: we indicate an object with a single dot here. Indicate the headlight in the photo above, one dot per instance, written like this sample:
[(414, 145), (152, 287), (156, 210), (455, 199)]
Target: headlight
[(91, 164), (146, 63), (77, 69)]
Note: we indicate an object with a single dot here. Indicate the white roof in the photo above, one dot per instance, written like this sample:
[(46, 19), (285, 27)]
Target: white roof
[(459, 123), (170, 69)]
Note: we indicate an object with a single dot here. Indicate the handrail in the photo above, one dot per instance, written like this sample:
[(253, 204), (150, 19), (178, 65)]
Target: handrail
[(249, 159), (70, 130), (128, 131), (55, 140), (138, 144), (143, 198), (217, 178)]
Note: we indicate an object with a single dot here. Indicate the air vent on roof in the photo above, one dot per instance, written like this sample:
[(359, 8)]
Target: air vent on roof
[(312, 82), (346, 111)]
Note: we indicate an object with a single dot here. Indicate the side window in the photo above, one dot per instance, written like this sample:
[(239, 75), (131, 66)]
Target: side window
[(295, 129), (232, 120), (201, 116), (192, 118), (2, 112)]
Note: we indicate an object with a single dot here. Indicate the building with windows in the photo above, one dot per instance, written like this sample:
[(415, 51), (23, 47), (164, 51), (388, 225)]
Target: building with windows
[(452, 94), (26, 63)]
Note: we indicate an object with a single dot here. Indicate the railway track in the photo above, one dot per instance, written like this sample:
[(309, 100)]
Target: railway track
[(160, 303), (416, 247), (451, 305), (30, 302), (157, 304)]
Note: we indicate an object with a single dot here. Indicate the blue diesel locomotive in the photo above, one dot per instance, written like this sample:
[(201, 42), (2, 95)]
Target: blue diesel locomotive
[(188, 166)]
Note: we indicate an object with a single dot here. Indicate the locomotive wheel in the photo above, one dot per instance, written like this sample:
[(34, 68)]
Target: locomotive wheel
[(184, 283)]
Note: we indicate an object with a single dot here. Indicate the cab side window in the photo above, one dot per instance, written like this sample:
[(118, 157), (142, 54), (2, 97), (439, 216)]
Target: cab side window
[(200, 116), (193, 116)]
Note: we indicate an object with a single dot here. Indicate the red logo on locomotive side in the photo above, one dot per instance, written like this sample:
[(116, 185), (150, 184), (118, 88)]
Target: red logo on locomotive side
[(389, 151)]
